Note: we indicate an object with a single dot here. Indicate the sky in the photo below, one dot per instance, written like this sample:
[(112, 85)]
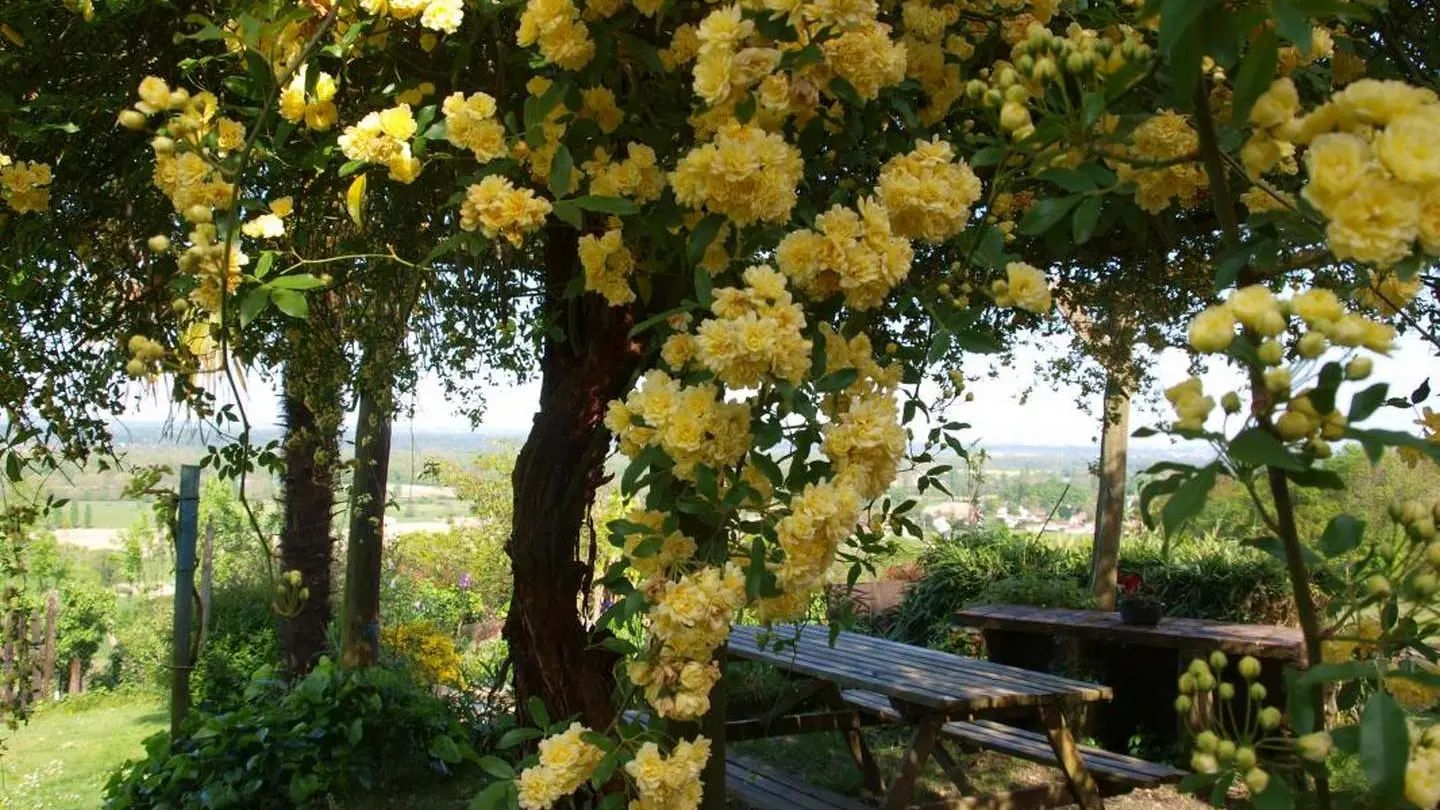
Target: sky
[(1050, 416)]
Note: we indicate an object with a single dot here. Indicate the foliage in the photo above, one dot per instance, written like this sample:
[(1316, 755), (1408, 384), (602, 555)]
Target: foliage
[(87, 613), (446, 578), (140, 656), (1205, 579), (1038, 590), (240, 640), (427, 652), (332, 734)]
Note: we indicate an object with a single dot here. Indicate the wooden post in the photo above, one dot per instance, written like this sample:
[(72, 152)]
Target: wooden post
[(185, 537), (714, 727), (207, 579), (1110, 502), (46, 689)]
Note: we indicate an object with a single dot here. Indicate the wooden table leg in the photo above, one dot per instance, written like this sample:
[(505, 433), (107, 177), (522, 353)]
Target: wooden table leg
[(922, 743), (952, 769), (864, 760), (1077, 776)]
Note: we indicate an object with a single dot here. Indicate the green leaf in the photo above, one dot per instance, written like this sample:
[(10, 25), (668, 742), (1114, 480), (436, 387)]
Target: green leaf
[(745, 110), (491, 797), (837, 380), (262, 267), (515, 736), (1375, 442), (497, 767), (1256, 72), (1317, 478), (607, 205), (704, 286), (649, 56), (1068, 179), (537, 710), (1292, 24), (1086, 215), (702, 236), (988, 156), (255, 301), (1045, 213), (1228, 266), (1342, 533), (1257, 447), (972, 340), (845, 91), (349, 167), (1188, 499), (297, 281), (536, 109), (605, 769), (1177, 17), (303, 786), (560, 168), (13, 470), (1276, 796), (800, 57), (1091, 108), (1367, 402), (291, 303), (569, 213), (1384, 747), (444, 749)]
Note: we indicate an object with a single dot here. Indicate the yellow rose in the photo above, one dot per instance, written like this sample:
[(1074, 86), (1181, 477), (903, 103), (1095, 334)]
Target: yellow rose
[(1027, 287), (1256, 308), (1429, 224), (398, 122), (1317, 307), (1335, 164), (1377, 223), (1408, 146), (1212, 330), (1276, 105)]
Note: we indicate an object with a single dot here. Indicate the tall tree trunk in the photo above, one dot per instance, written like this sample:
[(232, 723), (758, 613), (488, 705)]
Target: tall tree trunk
[(555, 477), (77, 672), (360, 635), (1110, 502), (312, 409)]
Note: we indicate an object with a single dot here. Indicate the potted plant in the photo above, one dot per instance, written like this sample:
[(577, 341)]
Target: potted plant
[(1138, 604)]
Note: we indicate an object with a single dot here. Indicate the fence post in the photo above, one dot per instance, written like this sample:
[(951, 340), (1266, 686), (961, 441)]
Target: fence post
[(185, 537)]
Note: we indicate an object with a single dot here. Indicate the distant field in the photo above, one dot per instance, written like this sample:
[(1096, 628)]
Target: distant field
[(99, 514)]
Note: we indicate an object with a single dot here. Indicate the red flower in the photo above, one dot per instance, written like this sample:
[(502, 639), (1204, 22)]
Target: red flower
[(1130, 584)]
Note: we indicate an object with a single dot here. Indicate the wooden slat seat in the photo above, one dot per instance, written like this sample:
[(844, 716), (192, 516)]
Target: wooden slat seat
[(766, 788), (1029, 745)]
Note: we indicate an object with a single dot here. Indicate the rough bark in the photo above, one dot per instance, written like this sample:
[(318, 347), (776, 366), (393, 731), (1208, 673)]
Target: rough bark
[(307, 542), (554, 481), (77, 672), (312, 407), (360, 635), (1110, 502)]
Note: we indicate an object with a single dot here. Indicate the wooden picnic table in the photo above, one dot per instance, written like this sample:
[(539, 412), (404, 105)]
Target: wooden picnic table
[(1186, 635), (924, 688)]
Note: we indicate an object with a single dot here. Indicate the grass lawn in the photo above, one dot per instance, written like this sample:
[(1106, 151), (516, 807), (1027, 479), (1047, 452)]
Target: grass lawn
[(60, 761)]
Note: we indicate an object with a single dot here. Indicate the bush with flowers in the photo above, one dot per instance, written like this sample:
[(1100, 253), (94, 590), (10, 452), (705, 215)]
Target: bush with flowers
[(819, 207)]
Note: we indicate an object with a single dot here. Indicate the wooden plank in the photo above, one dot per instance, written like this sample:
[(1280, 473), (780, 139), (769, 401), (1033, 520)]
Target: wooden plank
[(917, 753), (923, 677), (1082, 784), (766, 788), (758, 728), (1264, 641), (1028, 745)]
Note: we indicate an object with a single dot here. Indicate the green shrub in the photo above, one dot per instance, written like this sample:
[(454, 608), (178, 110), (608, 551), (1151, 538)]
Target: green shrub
[(336, 733), (140, 656), (240, 639), (1211, 579), (1037, 590)]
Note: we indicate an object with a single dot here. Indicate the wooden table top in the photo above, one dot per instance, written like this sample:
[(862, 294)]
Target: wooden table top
[(1260, 640), (919, 676)]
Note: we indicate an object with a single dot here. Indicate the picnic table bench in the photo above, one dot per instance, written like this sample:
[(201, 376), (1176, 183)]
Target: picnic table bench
[(1134, 659), (1186, 635), (865, 680)]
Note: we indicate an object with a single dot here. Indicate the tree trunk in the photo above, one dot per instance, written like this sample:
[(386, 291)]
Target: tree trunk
[(307, 543), (77, 672), (45, 690), (555, 477), (360, 636), (1110, 502)]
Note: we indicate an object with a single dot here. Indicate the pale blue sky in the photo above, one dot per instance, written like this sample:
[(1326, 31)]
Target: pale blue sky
[(1048, 417)]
